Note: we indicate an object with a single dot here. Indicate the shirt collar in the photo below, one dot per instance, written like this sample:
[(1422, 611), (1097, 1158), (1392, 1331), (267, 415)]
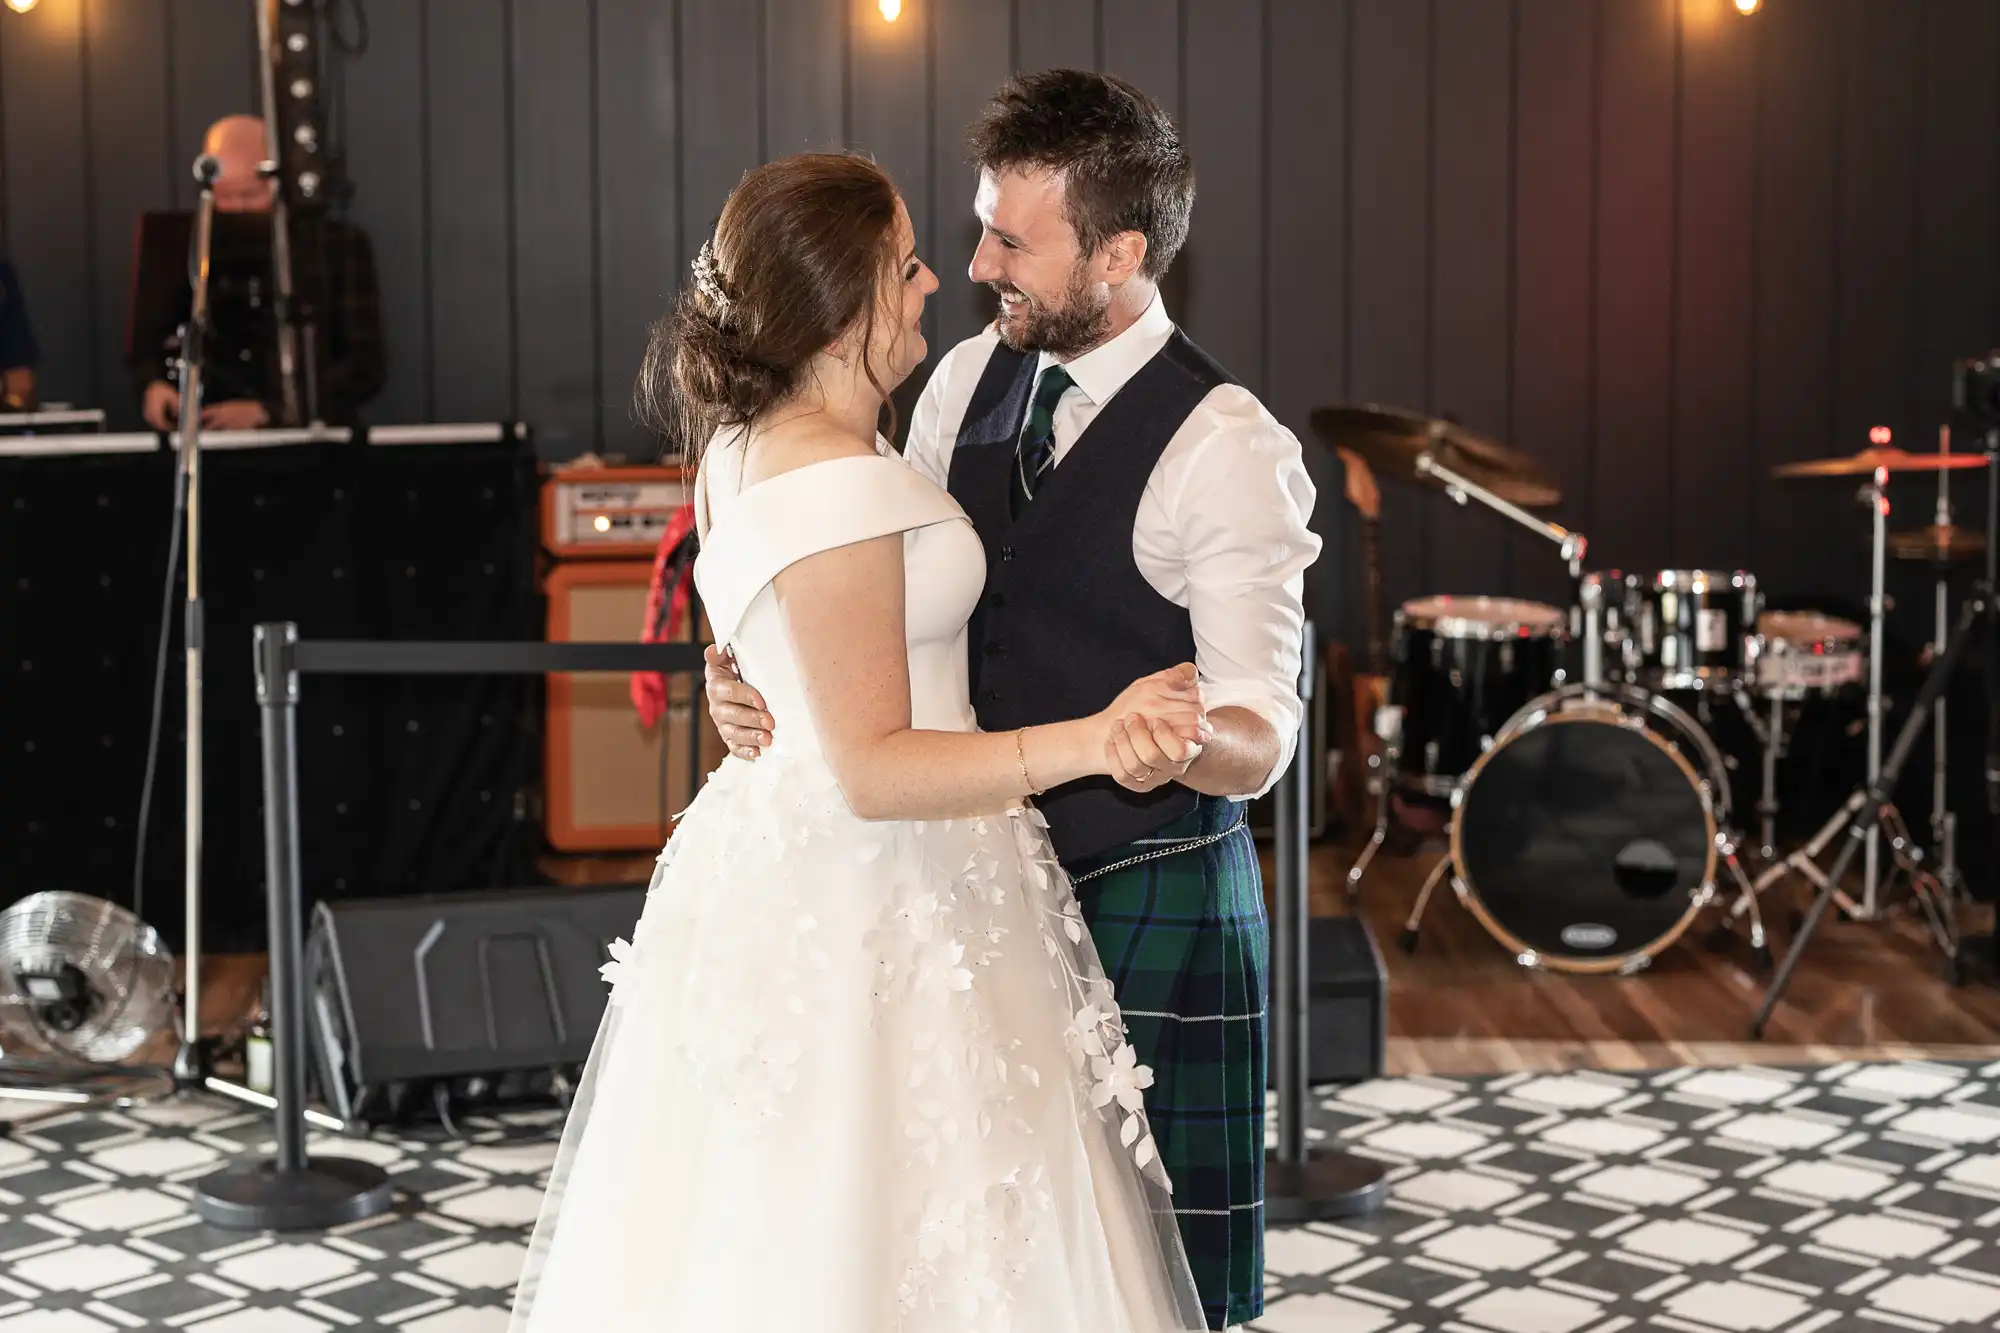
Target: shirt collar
[(1103, 370)]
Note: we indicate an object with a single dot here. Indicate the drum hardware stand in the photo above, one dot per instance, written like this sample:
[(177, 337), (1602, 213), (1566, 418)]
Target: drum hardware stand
[(1870, 806), (1875, 494), (1381, 767), (1771, 739), (1408, 939), (1572, 544), (1381, 785), (1746, 900), (1944, 824)]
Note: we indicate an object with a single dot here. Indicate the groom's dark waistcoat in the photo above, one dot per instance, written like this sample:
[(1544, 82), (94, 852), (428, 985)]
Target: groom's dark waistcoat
[(1067, 621)]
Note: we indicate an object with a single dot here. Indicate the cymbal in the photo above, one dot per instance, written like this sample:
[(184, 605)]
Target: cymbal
[(1390, 441), (1941, 544), (1865, 462)]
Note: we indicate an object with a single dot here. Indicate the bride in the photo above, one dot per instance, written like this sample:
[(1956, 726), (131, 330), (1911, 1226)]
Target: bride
[(861, 1070)]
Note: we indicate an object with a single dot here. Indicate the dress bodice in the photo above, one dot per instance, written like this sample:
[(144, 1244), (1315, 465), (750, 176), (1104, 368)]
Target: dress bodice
[(755, 532)]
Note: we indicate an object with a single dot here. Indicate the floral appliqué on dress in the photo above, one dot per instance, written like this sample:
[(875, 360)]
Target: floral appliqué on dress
[(972, 1243)]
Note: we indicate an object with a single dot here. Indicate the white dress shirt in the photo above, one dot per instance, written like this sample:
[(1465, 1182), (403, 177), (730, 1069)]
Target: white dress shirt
[(1221, 528)]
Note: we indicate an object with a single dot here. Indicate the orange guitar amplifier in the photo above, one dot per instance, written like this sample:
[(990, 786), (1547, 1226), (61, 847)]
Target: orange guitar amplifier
[(612, 784), (610, 513)]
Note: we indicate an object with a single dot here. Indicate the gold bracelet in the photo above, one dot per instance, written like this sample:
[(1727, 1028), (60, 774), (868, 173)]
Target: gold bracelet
[(1021, 753)]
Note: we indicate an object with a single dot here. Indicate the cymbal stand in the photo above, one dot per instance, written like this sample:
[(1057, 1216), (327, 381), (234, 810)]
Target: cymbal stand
[(1572, 544), (1944, 824), (1907, 856), (1876, 496), (1870, 805)]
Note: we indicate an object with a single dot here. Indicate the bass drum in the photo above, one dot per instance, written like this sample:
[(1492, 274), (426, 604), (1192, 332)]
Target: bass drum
[(1585, 839)]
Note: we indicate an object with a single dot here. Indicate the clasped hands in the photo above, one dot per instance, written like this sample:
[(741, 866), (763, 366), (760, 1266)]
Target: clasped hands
[(1156, 729), (1153, 731)]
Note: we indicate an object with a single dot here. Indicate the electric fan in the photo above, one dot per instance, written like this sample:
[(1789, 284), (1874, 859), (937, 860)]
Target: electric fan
[(85, 984)]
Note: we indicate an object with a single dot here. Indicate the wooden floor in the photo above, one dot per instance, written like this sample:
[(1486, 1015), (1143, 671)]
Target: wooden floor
[(1460, 1004)]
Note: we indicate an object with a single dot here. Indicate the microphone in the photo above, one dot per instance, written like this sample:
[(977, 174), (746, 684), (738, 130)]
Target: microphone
[(206, 169)]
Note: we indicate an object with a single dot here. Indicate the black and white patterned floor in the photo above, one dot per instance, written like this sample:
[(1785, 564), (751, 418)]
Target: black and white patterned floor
[(1858, 1197)]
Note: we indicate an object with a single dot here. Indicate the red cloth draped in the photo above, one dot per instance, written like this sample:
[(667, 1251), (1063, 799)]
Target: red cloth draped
[(667, 601)]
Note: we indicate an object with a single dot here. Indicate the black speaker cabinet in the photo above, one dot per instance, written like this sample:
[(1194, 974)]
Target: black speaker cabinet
[(1347, 1018), (404, 993)]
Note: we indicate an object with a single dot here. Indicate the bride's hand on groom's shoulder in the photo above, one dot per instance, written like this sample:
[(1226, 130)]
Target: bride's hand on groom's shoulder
[(1156, 729)]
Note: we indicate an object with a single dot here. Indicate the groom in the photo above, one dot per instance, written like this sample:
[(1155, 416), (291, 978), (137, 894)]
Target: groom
[(1138, 508)]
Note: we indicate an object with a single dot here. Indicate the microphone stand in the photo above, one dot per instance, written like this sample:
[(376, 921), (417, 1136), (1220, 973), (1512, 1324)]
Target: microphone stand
[(191, 1063), (194, 1066)]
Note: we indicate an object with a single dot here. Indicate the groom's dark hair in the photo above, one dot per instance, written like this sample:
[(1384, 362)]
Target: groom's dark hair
[(1121, 159)]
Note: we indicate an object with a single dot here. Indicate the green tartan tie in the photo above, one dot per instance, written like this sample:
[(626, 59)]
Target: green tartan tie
[(1035, 453)]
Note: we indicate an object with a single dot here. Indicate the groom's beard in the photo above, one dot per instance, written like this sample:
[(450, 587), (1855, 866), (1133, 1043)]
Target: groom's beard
[(1074, 327)]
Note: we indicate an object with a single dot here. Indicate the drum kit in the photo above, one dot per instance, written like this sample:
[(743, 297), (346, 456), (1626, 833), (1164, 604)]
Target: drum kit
[(1569, 753)]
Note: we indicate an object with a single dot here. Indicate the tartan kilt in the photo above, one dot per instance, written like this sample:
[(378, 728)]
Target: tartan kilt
[(1186, 945)]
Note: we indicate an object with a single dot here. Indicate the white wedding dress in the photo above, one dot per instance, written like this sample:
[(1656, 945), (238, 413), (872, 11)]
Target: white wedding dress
[(854, 1077)]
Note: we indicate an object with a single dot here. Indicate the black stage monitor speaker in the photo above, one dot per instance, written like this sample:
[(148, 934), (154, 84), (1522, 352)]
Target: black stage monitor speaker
[(409, 992), (1347, 1023)]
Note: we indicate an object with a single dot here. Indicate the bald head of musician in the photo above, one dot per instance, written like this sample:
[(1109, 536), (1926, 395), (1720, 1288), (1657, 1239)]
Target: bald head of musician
[(237, 144)]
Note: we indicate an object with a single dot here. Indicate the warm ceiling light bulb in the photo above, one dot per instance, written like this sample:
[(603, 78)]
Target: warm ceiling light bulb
[(891, 9), (20, 6), (1748, 6)]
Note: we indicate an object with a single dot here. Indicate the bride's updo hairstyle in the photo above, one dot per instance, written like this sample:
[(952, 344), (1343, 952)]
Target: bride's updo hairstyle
[(799, 255)]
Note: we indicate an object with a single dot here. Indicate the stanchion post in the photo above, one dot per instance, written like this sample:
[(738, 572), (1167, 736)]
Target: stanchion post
[(1288, 946), (278, 703), (287, 1193), (1302, 1184)]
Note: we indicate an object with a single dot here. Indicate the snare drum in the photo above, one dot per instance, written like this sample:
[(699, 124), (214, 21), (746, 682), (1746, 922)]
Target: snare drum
[(1799, 653), (1585, 839), (1461, 667), (1694, 628)]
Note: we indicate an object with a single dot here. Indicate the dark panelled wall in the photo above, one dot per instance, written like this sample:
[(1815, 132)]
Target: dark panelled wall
[(1656, 244)]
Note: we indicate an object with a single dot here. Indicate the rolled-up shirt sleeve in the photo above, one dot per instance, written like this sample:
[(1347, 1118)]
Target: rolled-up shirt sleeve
[(1240, 506)]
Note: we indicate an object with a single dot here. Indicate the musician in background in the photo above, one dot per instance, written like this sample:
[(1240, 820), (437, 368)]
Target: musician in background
[(333, 281), (18, 353)]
